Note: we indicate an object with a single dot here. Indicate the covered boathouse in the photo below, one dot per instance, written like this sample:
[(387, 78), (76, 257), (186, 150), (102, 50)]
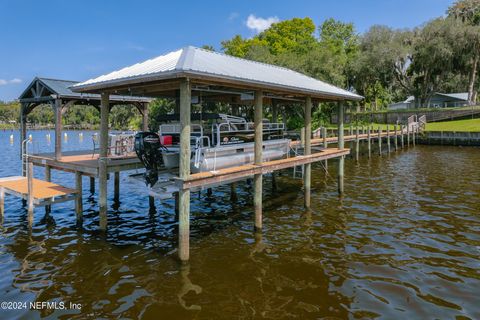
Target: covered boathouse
[(192, 72)]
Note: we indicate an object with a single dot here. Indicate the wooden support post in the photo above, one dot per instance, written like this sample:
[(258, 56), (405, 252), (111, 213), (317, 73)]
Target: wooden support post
[(233, 191), (102, 169), (388, 139), (2, 203), (145, 117), (258, 146), (325, 145), (307, 177), (302, 136), (151, 202), (48, 177), (78, 196), (116, 187), (350, 133), (30, 192), (369, 142), (413, 136), (92, 185), (402, 129), (341, 145), (23, 129), (184, 171), (408, 135), (379, 141), (357, 145), (58, 129), (396, 137)]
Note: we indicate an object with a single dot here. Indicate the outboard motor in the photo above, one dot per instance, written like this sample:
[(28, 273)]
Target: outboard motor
[(147, 148)]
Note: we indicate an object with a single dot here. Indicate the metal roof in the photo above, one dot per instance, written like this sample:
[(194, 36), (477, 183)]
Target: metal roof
[(458, 96), (192, 61), (61, 88)]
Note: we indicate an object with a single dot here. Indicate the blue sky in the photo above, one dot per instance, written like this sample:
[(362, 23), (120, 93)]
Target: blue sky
[(78, 40)]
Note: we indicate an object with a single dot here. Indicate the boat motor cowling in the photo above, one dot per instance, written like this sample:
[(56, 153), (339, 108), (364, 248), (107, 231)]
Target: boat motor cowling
[(148, 150)]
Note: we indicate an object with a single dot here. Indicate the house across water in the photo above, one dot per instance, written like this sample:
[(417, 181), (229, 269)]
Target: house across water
[(438, 100)]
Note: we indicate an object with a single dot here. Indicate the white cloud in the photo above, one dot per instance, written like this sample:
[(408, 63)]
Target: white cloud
[(233, 16), (259, 24), (4, 82)]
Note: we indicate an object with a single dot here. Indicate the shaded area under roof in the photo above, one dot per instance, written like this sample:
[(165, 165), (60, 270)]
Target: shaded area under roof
[(204, 65)]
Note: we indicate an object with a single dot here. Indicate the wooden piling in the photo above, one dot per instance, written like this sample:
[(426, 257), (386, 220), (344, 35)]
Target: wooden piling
[(388, 139), (402, 133), (233, 190), (92, 185), (58, 129), (396, 137), (48, 177), (78, 196), (325, 145), (379, 141), (408, 135), (2, 203), (369, 142), (184, 172), (357, 145), (30, 192), (102, 161), (308, 150), (413, 136), (341, 145), (258, 146), (23, 130), (116, 187), (350, 133)]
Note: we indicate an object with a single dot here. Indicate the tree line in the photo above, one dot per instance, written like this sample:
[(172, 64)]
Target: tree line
[(383, 64)]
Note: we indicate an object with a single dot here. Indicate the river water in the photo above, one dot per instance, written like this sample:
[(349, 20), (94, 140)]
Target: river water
[(403, 243)]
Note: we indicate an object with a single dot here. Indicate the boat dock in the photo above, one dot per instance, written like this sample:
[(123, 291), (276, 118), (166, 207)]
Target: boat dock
[(232, 81)]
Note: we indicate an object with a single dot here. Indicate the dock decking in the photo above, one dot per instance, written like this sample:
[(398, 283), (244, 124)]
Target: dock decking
[(85, 162), (40, 193)]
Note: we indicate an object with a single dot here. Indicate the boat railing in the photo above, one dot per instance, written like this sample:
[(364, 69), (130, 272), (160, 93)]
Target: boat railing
[(176, 128)]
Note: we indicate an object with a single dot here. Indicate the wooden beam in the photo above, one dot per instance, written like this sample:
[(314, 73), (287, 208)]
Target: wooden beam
[(184, 171), (205, 179), (258, 146)]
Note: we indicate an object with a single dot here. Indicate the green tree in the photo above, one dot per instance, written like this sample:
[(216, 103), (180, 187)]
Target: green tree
[(468, 12)]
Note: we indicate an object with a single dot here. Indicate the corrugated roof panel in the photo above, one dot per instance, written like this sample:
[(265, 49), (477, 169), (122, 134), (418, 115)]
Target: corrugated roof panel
[(159, 64), (200, 61)]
